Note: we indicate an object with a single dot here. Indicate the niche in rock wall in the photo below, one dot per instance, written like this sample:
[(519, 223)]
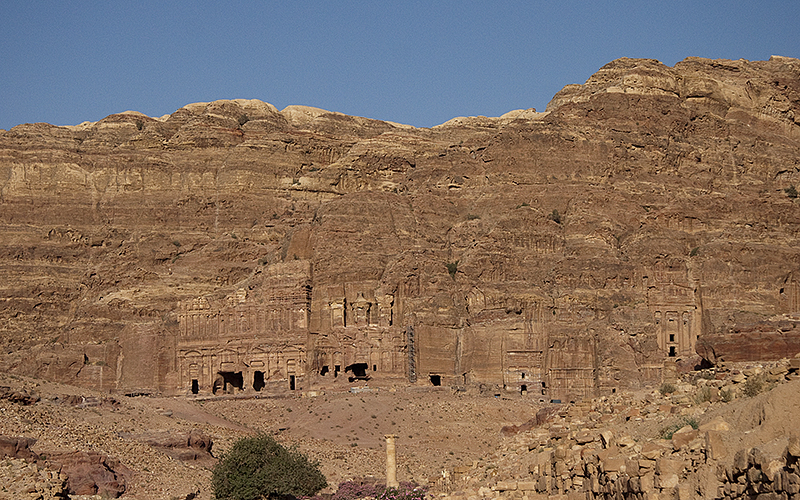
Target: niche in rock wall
[(358, 370), (227, 382), (258, 380)]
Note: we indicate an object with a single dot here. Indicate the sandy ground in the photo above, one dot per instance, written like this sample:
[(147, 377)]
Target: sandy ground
[(437, 429)]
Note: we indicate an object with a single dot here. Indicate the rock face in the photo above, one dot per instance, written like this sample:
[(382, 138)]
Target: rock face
[(91, 473), (234, 247)]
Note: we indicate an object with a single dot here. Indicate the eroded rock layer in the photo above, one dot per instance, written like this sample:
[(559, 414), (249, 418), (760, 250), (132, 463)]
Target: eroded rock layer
[(231, 246)]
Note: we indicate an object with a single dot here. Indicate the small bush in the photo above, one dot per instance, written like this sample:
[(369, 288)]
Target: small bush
[(791, 191), (667, 388), (555, 216), (259, 467), (726, 395), (452, 269), (668, 431), (753, 386), (243, 119), (353, 490), (703, 394)]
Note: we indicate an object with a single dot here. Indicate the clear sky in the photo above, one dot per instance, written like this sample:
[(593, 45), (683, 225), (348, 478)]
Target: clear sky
[(414, 62)]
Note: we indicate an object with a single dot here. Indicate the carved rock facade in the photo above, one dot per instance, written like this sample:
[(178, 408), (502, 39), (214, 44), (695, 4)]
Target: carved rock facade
[(233, 247)]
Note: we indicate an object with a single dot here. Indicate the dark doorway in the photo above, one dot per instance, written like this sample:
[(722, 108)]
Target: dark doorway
[(436, 380), (231, 380), (291, 382), (374, 368), (324, 370), (359, 371), (336, 370), (523, 389), (195, 386), (258, 380), (672, 351)]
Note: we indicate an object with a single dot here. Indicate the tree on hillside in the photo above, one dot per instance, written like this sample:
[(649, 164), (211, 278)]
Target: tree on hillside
[(259, 467)]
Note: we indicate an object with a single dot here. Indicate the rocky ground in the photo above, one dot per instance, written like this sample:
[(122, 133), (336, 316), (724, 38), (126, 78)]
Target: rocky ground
[(462, 444)]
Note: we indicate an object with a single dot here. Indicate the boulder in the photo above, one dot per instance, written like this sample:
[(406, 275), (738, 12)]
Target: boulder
[(92, 473), (17, 447)]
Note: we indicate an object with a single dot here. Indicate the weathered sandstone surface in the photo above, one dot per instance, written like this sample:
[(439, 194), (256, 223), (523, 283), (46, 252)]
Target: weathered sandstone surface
[(233, 247)]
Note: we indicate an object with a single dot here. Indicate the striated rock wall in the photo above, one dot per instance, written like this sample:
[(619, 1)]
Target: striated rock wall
[(231, 246)]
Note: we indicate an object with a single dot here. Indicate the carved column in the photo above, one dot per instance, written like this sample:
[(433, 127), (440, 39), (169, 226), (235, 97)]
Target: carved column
[(391, 462)]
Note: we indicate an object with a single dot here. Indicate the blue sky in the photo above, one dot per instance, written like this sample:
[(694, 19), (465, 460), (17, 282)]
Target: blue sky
[(419, 63)]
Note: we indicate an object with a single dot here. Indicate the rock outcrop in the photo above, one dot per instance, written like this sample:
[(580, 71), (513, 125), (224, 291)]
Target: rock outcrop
[(233, 247)]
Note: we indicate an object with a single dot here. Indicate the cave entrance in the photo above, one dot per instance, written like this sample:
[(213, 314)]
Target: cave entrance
[(523, 389), (195, 386), (436, 380), (258, 380), (291, 382), (359, 371), (336, 370), (324, 370), (229, 382)]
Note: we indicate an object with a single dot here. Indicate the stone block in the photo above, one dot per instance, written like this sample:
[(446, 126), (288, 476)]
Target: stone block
[(740, 462), (773, 469), (645, 463), (585, 437), (616, 464), (715, 446), (535, 496), (793, 448), (594, 484), (753, 475), (683, 436), (506, 486), (653, 450), (526, 485), (665, 466), (632, 467), (686, 492), (543, 484), (771, 495), (607, 438), (716, 424), (667, 481)]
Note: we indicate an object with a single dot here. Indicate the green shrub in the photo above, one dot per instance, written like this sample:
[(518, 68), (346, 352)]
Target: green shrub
[(753, 385), (668, 431), (452, 269), (259, 467), (726, 395), (667, 388), (703, 394), (555, 216), (791, 191)]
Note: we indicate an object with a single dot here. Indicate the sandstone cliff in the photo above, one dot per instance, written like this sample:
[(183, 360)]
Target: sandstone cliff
[(233, 246)]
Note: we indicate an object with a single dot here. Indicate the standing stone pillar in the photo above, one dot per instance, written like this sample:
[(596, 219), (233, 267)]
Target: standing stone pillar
[(391, 462)]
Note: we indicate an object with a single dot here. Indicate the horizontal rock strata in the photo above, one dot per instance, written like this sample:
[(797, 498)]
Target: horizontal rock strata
[(231, 247)]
